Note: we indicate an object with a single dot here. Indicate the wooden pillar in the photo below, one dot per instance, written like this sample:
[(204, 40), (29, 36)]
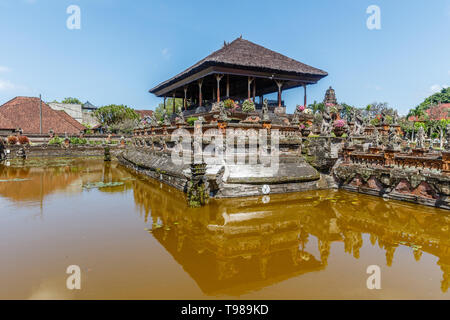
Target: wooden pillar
[(165, 109), (304, 101), (228, 85), (218, 78), (249, 82), (279, 84), (184, 101), (261, 99), (200, 98), (173, 103), (254, 91)]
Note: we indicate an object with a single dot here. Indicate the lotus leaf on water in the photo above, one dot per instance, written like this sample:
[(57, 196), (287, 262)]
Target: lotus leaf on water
[(100, 184), (15, 180)]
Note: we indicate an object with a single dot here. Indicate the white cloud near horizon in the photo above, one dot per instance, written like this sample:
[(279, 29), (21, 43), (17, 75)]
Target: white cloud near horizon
[(435, 88), (6, 85), (4, 69)]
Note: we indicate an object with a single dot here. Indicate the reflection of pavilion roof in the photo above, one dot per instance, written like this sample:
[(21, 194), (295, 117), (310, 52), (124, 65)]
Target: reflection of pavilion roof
[(234, 275), (220, 243)]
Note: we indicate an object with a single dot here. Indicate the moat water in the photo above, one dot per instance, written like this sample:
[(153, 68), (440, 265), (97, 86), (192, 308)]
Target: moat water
[(135, 238)]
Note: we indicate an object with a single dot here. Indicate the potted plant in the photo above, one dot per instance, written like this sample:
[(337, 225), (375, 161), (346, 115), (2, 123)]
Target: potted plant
[(301, 108), (305, 128), (339, 128), (248, 106)]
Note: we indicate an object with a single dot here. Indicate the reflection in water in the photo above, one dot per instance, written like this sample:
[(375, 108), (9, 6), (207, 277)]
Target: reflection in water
[(234, 246), (237, 246)]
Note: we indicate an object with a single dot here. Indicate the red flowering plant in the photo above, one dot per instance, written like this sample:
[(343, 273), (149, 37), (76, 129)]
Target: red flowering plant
[(301, 108), (339, 124)]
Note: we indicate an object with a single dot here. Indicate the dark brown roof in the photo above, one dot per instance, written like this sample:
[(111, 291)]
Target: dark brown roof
[(23, 112), (248, 55), (144, 113)]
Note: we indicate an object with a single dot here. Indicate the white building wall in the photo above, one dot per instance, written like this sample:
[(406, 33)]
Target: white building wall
[(73, 110)]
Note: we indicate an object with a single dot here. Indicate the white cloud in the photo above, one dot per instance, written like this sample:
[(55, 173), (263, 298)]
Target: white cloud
[(6, 85), (437, 87), (4, 69), (165, 53)]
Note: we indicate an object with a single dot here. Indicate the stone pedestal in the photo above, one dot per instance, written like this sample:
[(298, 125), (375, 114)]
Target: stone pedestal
[(446, 161), (346, 153), (389, 155), (375, 150), (418, 152)]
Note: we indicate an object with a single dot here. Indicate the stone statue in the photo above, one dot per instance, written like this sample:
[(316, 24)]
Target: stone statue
[(223, 116), (395, 117), (265, 111), (383, 116), (166, 120), (153, 121), (420, 138), (296, 117), (180, 117), (358, 128), (326, 122), (376, 137), (447, 138), (392, 138)]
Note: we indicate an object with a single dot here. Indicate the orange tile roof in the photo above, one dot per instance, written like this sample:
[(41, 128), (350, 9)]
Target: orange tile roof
[(24, 112)]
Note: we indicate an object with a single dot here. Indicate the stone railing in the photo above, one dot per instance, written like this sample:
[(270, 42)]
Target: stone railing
[(418, 158)]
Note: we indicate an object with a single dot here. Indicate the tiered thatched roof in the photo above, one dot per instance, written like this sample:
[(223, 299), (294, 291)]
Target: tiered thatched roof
[(245, 55)]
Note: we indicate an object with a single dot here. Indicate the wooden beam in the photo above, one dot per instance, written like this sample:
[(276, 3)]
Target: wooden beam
[(228, 85), (308, 79)]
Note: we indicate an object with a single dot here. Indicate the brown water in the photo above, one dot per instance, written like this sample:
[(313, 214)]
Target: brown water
[(138, 240)]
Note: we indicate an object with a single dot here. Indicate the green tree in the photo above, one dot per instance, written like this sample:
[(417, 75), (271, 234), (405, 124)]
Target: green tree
[(70, 100), (159, 111), (317, 107), (117, 117)]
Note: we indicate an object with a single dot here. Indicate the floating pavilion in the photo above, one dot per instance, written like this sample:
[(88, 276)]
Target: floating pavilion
[(239, 70)]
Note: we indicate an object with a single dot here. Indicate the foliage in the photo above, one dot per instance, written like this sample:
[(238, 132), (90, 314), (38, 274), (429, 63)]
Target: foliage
[(70, 100), (440, 97), (317, 107), (248, 106), (190, 121), (116, 117), (12, 140), (76, 140), (56, 141), (229, 104), (159, 111)]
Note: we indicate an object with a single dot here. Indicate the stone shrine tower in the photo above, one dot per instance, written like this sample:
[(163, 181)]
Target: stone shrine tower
[(330, 97)]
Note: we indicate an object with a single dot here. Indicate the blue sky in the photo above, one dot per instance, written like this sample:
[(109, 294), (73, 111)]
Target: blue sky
[(125, 48)]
